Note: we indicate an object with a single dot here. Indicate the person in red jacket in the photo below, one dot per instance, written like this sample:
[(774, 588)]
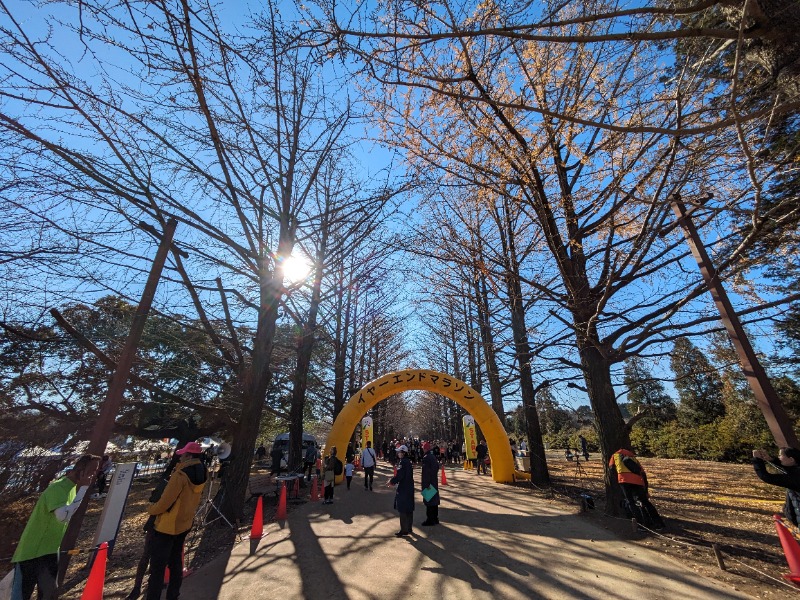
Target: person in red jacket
[(633, 481)]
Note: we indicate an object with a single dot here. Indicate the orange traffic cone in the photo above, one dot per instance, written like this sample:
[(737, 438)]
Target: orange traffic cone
[(314, 494), (395, 470), (791, 549), (97, 576), (297, 488), (444, 477), (257, 532), (280, 514)]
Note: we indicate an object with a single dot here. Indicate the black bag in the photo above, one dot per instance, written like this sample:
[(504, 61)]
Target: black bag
[(337, 467)]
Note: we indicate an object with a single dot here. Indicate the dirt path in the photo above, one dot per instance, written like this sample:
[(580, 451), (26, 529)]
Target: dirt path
[(495, 541)]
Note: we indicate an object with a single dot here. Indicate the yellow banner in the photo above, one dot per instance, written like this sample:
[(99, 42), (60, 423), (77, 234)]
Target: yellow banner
[(366, 432), (470, 437)]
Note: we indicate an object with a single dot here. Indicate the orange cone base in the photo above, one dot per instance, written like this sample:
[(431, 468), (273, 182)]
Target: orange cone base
[(280, 514), (257, 531), (791, 549), (97, 576), (444, 477)]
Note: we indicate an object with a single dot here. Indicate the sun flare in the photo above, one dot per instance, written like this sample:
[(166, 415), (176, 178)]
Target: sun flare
[(296, 269)]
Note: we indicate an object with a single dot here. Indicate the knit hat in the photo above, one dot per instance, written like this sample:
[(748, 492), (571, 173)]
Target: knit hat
[(192, 448)]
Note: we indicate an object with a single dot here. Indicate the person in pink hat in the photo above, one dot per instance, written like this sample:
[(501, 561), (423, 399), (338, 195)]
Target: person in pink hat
[(174, 513)]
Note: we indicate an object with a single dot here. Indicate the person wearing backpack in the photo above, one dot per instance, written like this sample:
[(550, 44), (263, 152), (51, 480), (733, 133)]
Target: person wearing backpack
[(633, 481), (333, 467)]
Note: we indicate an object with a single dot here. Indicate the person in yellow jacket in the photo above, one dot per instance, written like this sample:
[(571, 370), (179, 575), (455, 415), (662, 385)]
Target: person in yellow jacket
[(174, 513), (633, 481)]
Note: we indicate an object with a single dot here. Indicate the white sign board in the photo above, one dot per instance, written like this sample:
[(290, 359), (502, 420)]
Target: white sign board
[(115, 505)]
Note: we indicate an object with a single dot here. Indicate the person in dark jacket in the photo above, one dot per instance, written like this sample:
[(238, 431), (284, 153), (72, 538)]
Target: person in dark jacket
[(430, 472), (584, 447), (788, 462), (404, 494), (277, 456), (480, 456), (174, 512)]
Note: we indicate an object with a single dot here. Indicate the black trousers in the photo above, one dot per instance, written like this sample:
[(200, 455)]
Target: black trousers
[(308, 467), (329, 492), (406, 522), (432, 514), (369, 475), (165, 551), (40, 571), (640, 506)]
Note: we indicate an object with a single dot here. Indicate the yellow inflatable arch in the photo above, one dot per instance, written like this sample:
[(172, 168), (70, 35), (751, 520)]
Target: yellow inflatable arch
[(430, 381)]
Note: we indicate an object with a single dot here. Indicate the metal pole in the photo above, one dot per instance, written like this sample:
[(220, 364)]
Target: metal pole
[(103, 427), (766, 397)]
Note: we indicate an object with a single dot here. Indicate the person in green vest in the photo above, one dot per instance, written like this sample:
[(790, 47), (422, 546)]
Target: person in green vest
[(36, 557)]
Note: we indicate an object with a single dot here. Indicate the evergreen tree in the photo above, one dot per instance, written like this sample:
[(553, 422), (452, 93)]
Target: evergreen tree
[(647, 393), (552, 417), (789, 392), (744, 426), (698, 384)]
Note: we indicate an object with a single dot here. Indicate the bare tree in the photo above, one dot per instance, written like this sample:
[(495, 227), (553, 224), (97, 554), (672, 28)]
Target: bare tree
[(223, 132), (574, 129)]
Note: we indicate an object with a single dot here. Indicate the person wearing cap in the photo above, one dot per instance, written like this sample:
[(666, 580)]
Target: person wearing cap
[(430, 472), (174, 513), (404, 494)]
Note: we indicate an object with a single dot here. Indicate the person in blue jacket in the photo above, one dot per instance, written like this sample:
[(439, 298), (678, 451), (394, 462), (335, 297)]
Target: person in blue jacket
[(404, 494)]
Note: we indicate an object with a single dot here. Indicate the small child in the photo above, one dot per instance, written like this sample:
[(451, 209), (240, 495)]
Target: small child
[(348, 471)]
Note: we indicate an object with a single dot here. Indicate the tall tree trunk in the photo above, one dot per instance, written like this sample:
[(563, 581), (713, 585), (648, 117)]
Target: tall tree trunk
[(611, 428), (304, 351), (516, 305), (341, 346), (253, 388), (472, 367), (487, 343)]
